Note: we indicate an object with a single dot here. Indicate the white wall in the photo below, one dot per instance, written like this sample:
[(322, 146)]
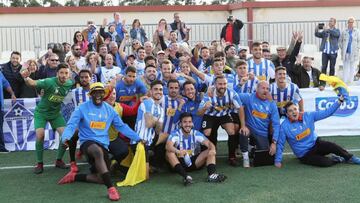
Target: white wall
[(81, 18)]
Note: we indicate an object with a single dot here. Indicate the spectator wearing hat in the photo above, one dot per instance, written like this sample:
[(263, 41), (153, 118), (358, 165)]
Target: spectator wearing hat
[(243, 54), (288, 60), (112, 34), (231, 31)]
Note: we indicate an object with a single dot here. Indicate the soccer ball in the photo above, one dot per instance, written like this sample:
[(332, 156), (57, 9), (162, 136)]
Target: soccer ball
[(18, 112)]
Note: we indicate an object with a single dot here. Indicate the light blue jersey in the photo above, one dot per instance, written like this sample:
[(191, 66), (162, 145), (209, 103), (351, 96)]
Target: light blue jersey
[(148, 106), (94, 122), (301, 134)]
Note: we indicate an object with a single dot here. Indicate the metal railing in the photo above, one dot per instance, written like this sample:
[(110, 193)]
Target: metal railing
[(36, 38)]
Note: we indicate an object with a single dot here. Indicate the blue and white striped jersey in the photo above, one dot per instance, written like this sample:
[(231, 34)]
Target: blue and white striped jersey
[(147, 106), (263, 71), (171, 114), (210, 80), (191, 143), (79, 96), (221, 106), (248, 87), (282, 96)]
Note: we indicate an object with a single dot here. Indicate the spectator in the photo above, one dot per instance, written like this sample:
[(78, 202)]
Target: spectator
[(135, 44), (80, 40), (306, 75), (74, 70), (161, 32), (137, 32), (349, 43), (114, 51), (265, 45), (27, 91), (288, 60), (103, 50), (109, 72), (92, 36), (49, 70), (180, 28), (119, 26), (4, 84), (11, 71), (243, 54), (112, 34), (149, 48), (266, 54), (149, 76), (67, 48), (93, 63), (329, 44), (80, 60), (231, 57), (231, 31)]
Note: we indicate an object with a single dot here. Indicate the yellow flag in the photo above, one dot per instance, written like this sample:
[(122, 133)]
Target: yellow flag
[(137, 170), (334, 81)]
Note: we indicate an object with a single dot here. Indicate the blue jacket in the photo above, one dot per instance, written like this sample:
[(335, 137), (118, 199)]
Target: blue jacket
[(94, 122), (333, 39), (259, 113), (4, 84), (301, 134)]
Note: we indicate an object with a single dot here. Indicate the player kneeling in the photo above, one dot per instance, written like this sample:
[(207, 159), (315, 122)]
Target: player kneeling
[(184, 154)]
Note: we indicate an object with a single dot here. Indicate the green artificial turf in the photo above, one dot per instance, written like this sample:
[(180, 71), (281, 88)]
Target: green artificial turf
[(293, 183)]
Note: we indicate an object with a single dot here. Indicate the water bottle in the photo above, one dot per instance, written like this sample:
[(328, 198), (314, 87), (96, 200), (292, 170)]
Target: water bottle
[(187, 160)]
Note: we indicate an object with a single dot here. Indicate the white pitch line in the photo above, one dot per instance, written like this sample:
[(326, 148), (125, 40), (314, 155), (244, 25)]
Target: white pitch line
[(52, 165), (22, 167)]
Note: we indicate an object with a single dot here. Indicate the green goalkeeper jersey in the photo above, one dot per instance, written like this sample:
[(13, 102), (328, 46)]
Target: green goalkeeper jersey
[(54, 94)]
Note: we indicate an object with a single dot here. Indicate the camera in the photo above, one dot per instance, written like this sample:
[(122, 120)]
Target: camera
[(321, 26)]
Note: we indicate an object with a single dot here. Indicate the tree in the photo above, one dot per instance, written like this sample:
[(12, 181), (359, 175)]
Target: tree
[(70, 3), (34, 3), (18, 3), (84, 3)]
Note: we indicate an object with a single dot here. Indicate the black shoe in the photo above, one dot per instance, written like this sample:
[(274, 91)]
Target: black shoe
[(188, 180), (4, 151), (216, 178)]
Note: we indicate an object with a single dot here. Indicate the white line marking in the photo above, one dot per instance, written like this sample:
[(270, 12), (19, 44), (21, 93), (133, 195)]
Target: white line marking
[(22, 167), (52, 165)]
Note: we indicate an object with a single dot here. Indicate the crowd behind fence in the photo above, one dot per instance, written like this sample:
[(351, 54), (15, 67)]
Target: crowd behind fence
[(36, 38)]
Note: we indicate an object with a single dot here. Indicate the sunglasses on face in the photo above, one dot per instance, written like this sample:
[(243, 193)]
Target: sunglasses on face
[(54, 60)]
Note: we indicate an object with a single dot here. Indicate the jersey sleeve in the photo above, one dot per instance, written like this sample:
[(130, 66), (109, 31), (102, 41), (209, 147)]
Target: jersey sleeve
[(280, 145), (237, 101), (203, 102), (141, 87), (199, 137), (43, 83)]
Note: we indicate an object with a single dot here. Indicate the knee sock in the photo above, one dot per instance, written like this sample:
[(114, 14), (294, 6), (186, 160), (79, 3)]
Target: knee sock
[(107, 180), (39, 146), (72, 150), (61, 151), (80, 177), (211, 169), (232, 145), (180, 170)]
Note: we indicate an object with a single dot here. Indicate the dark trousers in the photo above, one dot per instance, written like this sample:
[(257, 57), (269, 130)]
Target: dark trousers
[(316, 156), (325, 60), (119, 149), (2, 144)]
